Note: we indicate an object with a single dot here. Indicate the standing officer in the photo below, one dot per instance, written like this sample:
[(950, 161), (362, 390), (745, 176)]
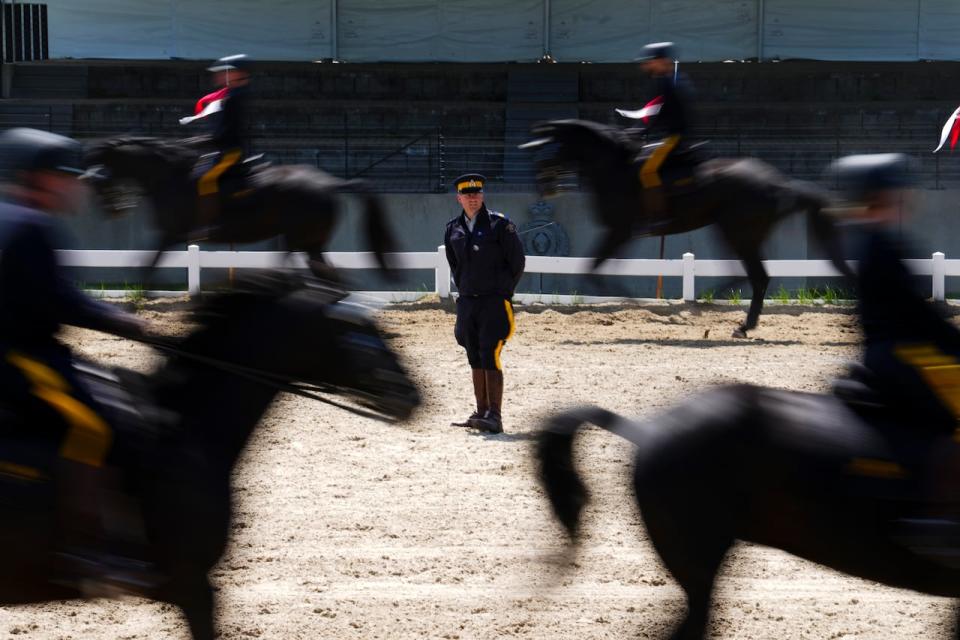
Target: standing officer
[(486, 260), (232, 75), (672, 120), (39, 173)]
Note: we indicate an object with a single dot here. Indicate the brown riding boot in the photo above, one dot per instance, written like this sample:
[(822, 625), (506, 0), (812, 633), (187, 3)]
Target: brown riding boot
[(480, 394), (83, 556), (208, 212), (654, 203), (492, 421)]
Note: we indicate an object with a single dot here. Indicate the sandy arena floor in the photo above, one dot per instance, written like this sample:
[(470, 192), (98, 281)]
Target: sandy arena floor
[(350, 529)]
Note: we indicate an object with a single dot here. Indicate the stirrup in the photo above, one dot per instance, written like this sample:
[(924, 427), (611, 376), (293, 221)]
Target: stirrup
[(97, 573)]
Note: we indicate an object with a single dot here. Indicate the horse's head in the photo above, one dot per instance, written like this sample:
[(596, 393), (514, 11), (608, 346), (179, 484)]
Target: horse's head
[(122, 170), (566, 148), (295, 332), (369, 371)]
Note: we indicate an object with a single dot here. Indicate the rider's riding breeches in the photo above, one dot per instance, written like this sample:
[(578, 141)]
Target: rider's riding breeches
[(920, 380), (209, 182), (650, 171), (47, 389)]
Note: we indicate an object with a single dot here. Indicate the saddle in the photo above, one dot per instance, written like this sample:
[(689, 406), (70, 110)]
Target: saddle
[(923, 495), (29, 454), (237, 195), (678, 171), (29, 466)]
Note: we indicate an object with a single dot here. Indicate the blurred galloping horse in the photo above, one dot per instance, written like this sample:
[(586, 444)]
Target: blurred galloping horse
[(299, 203), (823, 479), (745, 198), (216, 386)]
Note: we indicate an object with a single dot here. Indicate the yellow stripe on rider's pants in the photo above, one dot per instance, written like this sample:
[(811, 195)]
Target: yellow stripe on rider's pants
[(939, 370), (513, 325), (88, 435), (207, 185), (650, 171), (500, 343), (21, 472)]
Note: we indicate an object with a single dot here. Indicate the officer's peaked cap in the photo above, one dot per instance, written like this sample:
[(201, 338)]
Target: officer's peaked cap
[(860, 175), (239, 62), (470, 183), (656, 50), (23, 149)]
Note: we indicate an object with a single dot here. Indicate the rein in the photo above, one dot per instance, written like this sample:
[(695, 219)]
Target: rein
[(306, 390)]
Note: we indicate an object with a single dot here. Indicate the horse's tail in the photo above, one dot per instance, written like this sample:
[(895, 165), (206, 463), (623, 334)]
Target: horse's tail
[(558, 474), (814, 201), (375, 223)]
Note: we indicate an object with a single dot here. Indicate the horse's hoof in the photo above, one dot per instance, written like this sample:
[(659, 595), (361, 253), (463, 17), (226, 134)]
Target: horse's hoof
[(739, 332)]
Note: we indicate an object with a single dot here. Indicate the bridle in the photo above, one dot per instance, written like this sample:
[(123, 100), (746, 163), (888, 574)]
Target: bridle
[(309, 390)]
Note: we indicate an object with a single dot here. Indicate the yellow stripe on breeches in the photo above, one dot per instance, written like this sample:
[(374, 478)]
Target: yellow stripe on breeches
[(650, 171), (939, 370), (88, 436), (208, 184), (501, 343)]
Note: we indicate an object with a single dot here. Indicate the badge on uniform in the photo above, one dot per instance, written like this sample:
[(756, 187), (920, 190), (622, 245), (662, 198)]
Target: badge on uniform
[(476, 248), (511, 228)]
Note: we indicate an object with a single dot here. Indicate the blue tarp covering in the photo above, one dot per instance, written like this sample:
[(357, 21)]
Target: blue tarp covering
[(505, 30)]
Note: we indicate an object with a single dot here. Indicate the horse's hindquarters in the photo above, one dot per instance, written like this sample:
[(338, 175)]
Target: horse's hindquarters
[(795, 471)]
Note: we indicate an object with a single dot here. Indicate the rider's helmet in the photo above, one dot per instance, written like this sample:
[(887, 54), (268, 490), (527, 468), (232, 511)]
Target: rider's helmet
[(236, 62), (658, 50), (861, 176), (24, 149)]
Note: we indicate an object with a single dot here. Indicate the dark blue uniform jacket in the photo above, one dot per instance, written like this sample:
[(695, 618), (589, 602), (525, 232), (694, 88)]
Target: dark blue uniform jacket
[(487, 261), (35, 298), (891, 308), (675, 114), (228, 124)]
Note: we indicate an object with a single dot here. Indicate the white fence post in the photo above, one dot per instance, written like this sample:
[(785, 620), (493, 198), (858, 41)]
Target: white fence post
[(689, 270), (193, 270), (442, 273), (939, 276)]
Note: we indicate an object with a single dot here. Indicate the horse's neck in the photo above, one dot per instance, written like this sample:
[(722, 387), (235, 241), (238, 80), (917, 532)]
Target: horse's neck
[(219, 411)]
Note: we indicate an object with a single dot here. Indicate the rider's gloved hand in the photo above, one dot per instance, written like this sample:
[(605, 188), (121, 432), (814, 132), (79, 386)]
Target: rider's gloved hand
[(127, 325)]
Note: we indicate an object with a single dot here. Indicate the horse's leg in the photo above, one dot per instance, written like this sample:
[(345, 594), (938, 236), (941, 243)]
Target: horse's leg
[(827, 235), (609, 245), (321, 268), (194, 595), (692, 549), (759, 280)]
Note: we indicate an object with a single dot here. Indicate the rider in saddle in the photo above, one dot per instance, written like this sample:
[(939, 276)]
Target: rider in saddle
[(39, 172), (912, 353), (231, 75), (672, 121)]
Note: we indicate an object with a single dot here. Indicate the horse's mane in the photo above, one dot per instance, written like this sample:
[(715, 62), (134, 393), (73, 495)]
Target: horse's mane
[(249, 291), (609, 133), (175, 152)]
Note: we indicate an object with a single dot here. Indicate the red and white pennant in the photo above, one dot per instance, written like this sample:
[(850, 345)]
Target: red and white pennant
[(210, 103), (951, 129)]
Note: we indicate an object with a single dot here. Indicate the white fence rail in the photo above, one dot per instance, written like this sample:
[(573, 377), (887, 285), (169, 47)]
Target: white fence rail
[(688, 267)]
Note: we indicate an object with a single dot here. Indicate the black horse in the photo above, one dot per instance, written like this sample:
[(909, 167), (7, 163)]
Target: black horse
[(745, 198), (219, 381), (297, 202), (810, 474)]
